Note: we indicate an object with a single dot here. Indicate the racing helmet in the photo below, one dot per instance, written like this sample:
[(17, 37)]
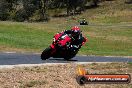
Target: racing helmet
[(75, 31)]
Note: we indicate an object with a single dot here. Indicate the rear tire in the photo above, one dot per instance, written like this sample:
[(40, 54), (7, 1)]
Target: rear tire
[(46, 53), (70, 55), (67, 58)]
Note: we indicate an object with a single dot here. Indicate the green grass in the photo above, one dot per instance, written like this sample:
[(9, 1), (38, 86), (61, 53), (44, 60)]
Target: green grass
[(102, 40), (108, 40), (22, 36), (109, 31), (115, 11)]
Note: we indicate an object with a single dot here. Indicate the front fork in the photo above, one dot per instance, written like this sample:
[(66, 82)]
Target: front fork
[(53, 48)]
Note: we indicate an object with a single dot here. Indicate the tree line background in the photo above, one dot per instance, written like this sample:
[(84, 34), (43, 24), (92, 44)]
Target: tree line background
[(41, 10)]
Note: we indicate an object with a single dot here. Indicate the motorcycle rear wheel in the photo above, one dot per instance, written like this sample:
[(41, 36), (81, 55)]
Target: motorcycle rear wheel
[(46, 53), (67, 58), (70, 55)]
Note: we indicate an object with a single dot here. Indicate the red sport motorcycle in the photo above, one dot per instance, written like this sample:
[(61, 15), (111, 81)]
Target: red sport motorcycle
[(61, 47)]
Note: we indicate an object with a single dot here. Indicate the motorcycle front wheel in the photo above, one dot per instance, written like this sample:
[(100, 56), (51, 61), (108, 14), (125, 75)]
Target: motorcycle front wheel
[(46, 53)]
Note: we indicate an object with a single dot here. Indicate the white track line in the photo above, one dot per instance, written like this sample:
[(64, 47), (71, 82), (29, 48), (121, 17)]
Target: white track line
[(9, 52), (45, 64)]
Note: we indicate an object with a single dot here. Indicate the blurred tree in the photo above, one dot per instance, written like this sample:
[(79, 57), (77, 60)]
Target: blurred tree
[(75, 6), (43, 10), (21, 10), (94, 3), (128, 1), (26, 9), (5, 8)]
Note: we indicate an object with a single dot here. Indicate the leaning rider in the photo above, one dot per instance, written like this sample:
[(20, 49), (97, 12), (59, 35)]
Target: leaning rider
[(76, 35), (83, 22)]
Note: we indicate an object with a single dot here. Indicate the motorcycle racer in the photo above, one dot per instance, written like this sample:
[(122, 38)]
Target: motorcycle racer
[(83, 22), (76, 35), (66, 44)]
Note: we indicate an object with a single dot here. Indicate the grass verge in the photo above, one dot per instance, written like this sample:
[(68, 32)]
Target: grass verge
[(109, 31), (34, 37)]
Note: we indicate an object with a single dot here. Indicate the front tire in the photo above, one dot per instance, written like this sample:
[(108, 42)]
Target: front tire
[(46, 53)]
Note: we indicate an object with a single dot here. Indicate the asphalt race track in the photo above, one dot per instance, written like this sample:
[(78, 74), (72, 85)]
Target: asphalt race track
[(21, 58)]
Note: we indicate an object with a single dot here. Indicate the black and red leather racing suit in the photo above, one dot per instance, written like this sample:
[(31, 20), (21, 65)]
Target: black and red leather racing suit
[(77, 42)]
